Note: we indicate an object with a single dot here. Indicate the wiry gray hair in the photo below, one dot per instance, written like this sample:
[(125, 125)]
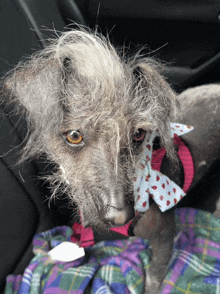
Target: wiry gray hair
[(80, 82)]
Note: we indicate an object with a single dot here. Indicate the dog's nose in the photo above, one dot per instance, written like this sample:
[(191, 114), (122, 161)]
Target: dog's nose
[(116, 217)]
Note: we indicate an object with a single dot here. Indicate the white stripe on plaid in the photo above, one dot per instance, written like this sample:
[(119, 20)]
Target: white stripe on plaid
[(80, 271), (195, 263), (106, 273), (104, 290), (27, 276), (36, 279), (218, 286)]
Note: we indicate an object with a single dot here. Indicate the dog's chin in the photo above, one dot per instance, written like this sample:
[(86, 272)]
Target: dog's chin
[(104, 220), (100, 226)]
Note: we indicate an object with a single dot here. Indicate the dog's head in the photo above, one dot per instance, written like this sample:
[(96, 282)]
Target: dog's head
[(88, 109)]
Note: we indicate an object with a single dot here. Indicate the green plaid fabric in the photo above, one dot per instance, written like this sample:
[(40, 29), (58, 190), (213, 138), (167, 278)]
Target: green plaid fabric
[(108, 267), (195, 264), (119, 266)]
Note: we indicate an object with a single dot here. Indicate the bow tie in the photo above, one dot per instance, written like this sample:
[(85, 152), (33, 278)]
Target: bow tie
[(152, 183)]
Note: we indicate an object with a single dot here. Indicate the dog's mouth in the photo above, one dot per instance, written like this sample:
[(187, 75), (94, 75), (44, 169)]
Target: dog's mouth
[(108, 217), (106, 210), (116, 217)]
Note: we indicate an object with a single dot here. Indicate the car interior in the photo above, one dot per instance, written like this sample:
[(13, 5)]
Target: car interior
[(184, 35)]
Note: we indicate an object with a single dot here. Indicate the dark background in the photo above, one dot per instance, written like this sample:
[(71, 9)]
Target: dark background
[(184, 34)]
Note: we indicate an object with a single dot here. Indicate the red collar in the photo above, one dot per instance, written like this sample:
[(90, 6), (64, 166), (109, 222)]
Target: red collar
[(185, 158), (84, 236)]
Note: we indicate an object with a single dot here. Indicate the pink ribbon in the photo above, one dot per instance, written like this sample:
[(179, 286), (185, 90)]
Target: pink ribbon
[(82, 236)]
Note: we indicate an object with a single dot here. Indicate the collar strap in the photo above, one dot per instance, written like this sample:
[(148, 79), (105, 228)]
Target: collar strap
[(84, 237), (150, 183), (184, 156)]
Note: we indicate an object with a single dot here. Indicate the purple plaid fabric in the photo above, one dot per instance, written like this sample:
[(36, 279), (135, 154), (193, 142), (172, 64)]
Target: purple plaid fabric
[(118, 266), (195, 264)]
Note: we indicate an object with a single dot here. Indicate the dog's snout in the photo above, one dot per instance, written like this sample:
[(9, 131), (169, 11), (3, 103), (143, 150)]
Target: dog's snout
[(116, 217)]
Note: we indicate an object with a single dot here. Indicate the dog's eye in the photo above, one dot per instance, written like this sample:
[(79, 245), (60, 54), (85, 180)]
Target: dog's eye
[(139, 135), (73, 137)]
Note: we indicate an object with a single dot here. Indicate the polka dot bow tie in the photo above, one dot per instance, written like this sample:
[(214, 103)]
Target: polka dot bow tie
[(149, 182)]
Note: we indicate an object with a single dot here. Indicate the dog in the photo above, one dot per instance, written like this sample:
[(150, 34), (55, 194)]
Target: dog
[(89, 108)]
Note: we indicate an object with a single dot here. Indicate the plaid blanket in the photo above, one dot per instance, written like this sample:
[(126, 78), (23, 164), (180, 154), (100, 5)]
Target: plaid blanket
[(118, 266)]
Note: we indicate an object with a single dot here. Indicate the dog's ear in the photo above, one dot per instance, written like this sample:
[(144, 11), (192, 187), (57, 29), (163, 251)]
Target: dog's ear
[(157, 103), (36, 90), (35, 86)]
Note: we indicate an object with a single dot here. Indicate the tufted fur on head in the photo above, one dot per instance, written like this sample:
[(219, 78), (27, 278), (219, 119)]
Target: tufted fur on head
[(81, 83)]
